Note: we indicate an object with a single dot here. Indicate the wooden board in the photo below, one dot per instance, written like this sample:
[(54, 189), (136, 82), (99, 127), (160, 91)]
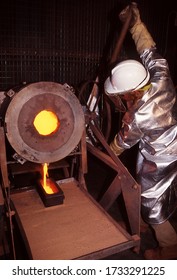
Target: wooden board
[(79, 228)]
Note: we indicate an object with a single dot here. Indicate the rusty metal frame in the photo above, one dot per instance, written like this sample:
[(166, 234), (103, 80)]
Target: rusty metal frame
[(123, 182)]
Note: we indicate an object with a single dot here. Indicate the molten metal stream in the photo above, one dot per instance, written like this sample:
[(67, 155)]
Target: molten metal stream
[(49, 186)]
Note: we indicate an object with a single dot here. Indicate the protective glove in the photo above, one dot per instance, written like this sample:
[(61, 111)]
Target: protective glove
[(115, 147), (141, 36)]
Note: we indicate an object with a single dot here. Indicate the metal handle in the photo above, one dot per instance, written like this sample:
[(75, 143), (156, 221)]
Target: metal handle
[(121, 38)]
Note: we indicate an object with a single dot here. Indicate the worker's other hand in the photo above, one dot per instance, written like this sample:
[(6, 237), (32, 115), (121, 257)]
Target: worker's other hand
[(115, 147), (124, 14)]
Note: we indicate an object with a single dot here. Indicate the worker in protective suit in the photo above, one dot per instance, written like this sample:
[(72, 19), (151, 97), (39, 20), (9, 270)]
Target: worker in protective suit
[(148, 95)]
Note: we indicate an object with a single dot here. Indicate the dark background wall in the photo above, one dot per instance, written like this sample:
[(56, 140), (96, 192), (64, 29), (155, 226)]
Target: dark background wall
[(65, 40)]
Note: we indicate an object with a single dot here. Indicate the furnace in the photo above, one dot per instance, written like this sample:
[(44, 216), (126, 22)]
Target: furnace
[(30, 103)]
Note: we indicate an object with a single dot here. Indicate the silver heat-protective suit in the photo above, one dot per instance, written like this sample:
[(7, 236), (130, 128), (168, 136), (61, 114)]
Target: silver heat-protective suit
[(152, 122)]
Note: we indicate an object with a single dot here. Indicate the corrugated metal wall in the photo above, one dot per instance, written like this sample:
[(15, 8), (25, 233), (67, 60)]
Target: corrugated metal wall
[(63, 40)]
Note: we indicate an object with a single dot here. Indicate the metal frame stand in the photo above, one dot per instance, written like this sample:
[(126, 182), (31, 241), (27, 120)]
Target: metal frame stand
[(123, 182)]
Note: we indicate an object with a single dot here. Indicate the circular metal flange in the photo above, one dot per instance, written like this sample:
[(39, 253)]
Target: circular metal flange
[(23, 108)]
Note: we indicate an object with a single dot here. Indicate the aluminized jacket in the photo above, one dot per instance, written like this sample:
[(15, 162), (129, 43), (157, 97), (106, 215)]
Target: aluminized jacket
[(152, 122)]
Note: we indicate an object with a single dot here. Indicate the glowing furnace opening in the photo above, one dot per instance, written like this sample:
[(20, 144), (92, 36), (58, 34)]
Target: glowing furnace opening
[(46, 122)]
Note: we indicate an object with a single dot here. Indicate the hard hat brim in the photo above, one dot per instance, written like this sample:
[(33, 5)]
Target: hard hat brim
[(110, 90)]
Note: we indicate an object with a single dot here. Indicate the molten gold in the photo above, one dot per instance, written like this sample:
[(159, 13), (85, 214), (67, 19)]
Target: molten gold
[(46, 122)]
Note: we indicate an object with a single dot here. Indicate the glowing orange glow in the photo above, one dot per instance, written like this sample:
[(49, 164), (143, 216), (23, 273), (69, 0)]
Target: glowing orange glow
[(49, 187), (46, 122)]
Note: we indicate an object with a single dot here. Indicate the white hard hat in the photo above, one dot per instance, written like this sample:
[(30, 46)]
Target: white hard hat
[(127, 76)]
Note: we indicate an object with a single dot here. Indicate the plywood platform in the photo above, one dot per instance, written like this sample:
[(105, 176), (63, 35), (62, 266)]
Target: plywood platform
[(77, 229)]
